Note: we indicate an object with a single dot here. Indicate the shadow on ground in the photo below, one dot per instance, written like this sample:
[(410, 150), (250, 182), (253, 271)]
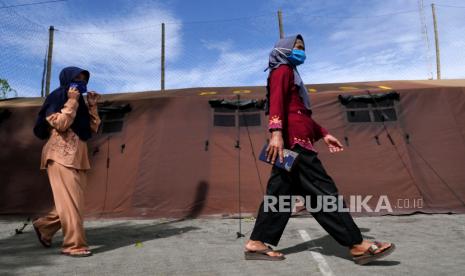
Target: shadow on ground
[(24, 250), (326, 245)]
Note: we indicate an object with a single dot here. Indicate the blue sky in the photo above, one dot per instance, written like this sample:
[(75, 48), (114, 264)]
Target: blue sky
[(226, 43)]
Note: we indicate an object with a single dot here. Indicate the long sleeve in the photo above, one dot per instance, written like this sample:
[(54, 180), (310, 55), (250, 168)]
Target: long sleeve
[(319, 131), (94, 118), (280, 86), (62, 120)]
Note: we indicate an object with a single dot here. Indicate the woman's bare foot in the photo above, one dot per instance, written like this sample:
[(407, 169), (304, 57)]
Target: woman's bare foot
[(45, 242), (359, 249), (258, 246)]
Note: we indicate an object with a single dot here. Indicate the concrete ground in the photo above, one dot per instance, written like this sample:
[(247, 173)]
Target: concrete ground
[(426, 245)]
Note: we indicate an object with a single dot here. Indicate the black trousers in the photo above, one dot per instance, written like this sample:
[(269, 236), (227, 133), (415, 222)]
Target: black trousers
[(310, 180)]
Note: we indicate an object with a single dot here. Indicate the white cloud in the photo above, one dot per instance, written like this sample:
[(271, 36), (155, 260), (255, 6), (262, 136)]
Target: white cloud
[(231, 68), (352, 43), (122, 53), (340, 48)]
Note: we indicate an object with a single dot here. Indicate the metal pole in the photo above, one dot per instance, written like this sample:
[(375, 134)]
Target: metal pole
[(162, 84), (238, 146), (44, 71), (436, 40), (280, 23), (51, 31)]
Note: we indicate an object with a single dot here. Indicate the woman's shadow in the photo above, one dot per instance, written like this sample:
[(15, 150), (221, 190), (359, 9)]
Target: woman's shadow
[(124, 234), (22, 251), (326, 245), (127, 233)]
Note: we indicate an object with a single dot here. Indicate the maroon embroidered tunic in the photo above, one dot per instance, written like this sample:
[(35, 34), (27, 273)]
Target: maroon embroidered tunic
[(288, 112)]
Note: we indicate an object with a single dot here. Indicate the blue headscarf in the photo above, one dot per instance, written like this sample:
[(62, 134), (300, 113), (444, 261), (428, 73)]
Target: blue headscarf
[(278, 56), (56, 101)]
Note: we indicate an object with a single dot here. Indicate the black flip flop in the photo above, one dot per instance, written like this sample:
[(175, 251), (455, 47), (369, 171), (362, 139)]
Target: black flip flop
[(370, 254), (39, 236), (262, 255)]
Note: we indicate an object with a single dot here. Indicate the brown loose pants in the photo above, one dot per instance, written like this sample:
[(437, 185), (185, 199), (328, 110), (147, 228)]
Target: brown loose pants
[(68, 186)]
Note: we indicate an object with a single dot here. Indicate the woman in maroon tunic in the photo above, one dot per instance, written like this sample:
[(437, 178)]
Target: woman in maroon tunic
[(292, 127)]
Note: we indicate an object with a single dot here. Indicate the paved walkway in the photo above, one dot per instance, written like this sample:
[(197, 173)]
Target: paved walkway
[(426, 245)]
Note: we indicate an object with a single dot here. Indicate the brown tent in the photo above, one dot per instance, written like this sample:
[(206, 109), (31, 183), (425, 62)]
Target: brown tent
[(174, 154)]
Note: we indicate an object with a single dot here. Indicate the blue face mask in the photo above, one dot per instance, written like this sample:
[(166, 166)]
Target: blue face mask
[(297, 57), (79, 85)]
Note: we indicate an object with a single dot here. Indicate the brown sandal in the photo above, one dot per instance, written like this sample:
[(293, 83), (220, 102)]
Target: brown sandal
[(262, 255), (39, 236), (370, 254), (78, 254)]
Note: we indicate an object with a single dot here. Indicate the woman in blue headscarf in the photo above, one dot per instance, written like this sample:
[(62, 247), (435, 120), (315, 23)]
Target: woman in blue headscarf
[(67, 121), (292, 127)]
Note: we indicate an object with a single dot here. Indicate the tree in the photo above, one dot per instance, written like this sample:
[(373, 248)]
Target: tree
[(6, 89)]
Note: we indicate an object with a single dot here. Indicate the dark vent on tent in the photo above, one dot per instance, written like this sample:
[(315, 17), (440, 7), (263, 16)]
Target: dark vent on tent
[(370, 107), (231, 113), (224, 120), (355, 116), (112, 117), (252, 119), (4, 114), (383, 115)]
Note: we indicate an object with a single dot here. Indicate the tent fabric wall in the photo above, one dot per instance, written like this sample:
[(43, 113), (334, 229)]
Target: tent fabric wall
[(159, 165)]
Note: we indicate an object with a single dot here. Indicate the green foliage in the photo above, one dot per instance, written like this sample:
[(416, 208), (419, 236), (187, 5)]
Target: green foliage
[(5, 89)]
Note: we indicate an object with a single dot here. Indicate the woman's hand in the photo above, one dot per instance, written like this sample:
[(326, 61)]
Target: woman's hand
[(73, 93), (92, 98), (275, 147), (333, 144)]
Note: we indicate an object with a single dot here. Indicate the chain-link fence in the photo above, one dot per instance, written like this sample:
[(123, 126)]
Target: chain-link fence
[(233, 52), (23, 46), (451, 29), (223, 53), (121, 61)]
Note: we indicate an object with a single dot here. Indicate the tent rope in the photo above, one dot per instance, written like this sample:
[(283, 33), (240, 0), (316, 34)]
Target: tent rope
[(416, 151)]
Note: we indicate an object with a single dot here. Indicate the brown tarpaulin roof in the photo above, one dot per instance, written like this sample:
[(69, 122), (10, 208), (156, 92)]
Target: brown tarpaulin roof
[(164, 169)]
